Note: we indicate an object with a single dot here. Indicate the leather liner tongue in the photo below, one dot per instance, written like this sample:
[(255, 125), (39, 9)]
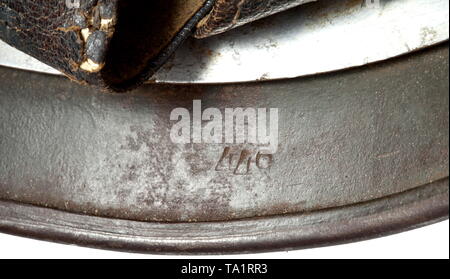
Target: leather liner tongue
[(147, 32), (112, 44)]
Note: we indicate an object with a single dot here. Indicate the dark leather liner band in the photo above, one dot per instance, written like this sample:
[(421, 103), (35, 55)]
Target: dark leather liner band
[(228, 14), (113, 44), (119, 44)]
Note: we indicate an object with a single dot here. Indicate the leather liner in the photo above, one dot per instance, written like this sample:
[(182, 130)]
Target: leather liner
[(119, 44), (111, 44), (228, 14)]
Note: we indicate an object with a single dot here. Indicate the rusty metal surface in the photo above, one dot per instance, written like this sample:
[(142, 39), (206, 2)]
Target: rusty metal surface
[(365, 142), (418, 207)]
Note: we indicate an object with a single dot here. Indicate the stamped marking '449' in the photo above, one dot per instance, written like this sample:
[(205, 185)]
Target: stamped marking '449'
[(242, 161)]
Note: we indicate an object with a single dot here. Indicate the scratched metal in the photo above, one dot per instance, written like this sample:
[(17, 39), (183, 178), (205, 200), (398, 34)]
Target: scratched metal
[(361, 145), (313, 38), (421, 206), (344, 138)]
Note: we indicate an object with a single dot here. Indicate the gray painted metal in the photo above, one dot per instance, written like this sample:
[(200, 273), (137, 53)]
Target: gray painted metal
[(362, 152)]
